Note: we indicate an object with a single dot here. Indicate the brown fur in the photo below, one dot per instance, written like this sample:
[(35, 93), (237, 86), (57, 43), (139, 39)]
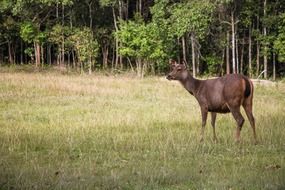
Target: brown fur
[(220, 95)]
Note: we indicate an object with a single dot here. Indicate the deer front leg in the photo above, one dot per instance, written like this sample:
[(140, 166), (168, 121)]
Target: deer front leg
[(213, 121), (204, 112)]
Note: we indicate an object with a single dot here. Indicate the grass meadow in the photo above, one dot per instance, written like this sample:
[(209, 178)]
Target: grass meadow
[(117, 132)]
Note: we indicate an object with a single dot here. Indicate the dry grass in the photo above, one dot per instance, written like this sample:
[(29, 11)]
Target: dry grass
[(97, 132)]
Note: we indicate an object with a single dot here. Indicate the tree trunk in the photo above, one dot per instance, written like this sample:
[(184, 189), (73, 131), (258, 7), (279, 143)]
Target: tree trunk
[(21, 55), (10, 52), (90, 65), (116, 39), (49, 54), (81, 67), (62, 45), (90, 15), (121, 16), (237, 56), (58, 59), (121, 59), (184, 48), (221, 72), (42, 55), (178, 55), (56, 11), (13, 49), (249, 52), (241, 55), (265, 45), (198, 63), (139, 67), (73, 59), (62, 15), (228, 53), (193, 54), (257, 58), (113, 56), (139, 6), (274, 65), (105, 52), (68, 60), (127, 10), (62, 53), (233, 42), (37, 53), (257, 50), (25, 58)]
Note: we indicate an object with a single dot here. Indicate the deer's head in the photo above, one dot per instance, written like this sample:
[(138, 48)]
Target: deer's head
[(178, 71)]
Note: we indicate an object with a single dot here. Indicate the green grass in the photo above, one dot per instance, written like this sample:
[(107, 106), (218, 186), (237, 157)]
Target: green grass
[(97, 132)]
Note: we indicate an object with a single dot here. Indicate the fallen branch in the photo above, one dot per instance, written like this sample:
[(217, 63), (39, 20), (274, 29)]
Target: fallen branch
[(263, 82)]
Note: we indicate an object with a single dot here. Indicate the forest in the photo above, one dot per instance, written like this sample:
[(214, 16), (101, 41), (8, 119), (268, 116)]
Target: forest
[(214, 37)]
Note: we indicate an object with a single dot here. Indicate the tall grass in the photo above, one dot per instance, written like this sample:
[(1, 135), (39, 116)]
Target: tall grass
[(97, 132)]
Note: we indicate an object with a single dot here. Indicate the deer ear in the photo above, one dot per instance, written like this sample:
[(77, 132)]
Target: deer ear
[(184, 63), (172, 62)]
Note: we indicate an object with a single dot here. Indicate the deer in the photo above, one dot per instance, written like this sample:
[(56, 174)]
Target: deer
[(223, 95)]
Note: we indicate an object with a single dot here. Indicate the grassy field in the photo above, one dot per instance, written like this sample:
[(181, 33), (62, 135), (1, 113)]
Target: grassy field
[(96, 132)]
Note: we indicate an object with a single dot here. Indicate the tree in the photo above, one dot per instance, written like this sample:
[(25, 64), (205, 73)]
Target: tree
[(279, 43), (142, 42), (191, 18), (86, 47)]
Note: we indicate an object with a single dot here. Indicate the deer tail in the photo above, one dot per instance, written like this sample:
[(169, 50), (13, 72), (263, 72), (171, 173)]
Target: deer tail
[(248, 89)]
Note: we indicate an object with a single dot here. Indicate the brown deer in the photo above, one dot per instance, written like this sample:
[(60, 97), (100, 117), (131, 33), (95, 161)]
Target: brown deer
[(220, 95)]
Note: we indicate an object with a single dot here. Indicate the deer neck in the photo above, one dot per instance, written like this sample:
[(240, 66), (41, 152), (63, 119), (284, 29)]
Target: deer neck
[(190, 84)]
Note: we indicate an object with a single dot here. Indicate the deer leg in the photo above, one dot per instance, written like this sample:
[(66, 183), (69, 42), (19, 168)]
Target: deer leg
[(204, 113), (248, 111), (239, 119), (213, 122)]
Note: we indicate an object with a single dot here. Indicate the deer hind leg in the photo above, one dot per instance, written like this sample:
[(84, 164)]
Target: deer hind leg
[(239, 119), (213, 123), (248, 110), (204, 113)]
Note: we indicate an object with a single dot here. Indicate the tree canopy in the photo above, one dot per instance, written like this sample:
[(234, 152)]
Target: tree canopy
[(216, 37)]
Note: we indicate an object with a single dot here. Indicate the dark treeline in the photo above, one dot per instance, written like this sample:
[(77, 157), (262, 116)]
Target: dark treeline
[(213, 36)]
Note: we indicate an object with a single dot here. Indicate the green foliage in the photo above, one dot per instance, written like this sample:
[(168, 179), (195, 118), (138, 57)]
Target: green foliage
[(21, 6), (279, 43), (213, 63), (60, 35), (28, 32), (141, 40), (192, 17), (160, 11), (29, 51), (107, 2), (5, 5), (85, 44), (248, 13), (9, 28)]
